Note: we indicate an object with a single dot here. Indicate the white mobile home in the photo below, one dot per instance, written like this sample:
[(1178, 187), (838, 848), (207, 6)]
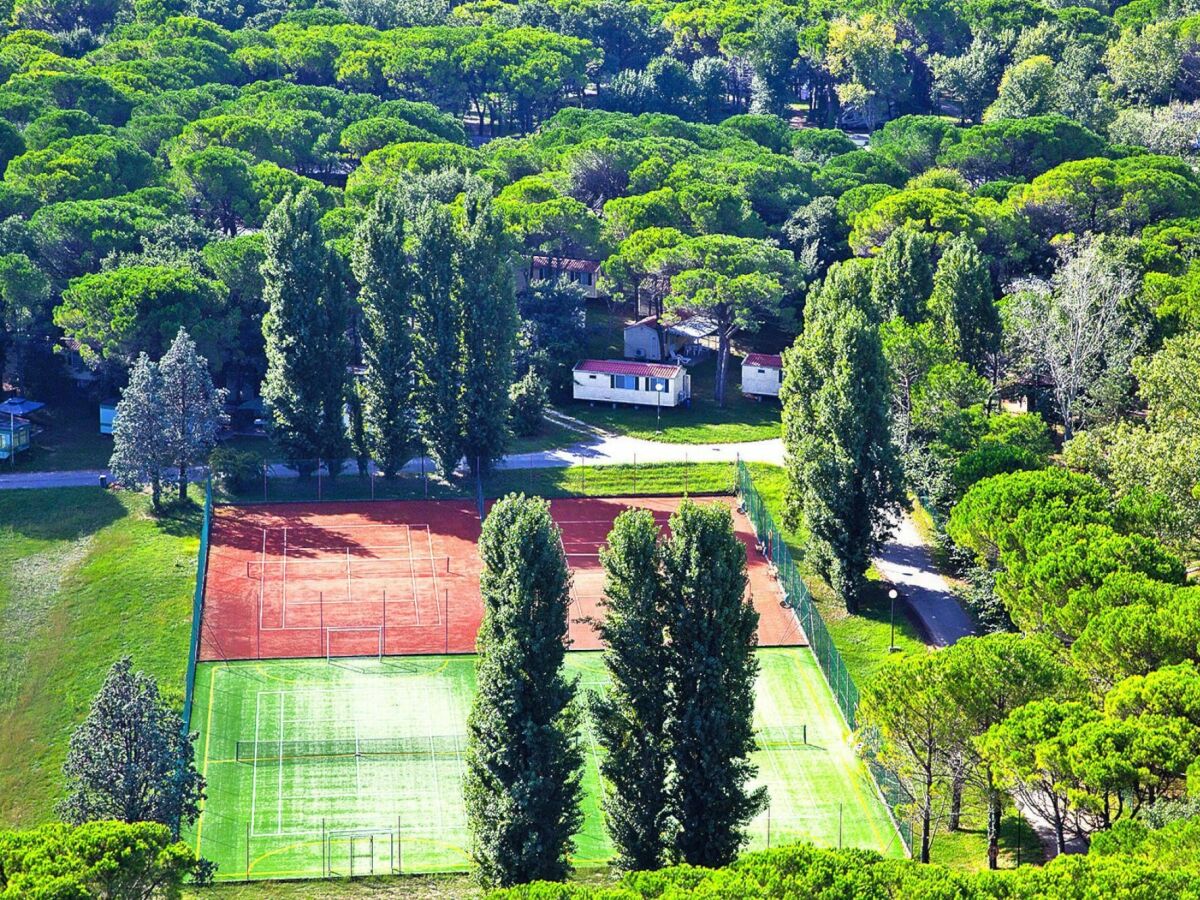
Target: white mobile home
[(640, 383), (762, 374)]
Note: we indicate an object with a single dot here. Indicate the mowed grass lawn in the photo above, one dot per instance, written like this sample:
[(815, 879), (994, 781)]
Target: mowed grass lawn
[(704, 422), (85, 577)]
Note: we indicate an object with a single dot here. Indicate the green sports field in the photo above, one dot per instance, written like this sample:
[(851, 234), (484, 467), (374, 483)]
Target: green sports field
[(356, 767)]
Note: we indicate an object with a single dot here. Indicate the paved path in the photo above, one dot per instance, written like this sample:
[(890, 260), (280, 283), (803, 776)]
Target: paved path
[(76, 478), (907, 563), (591, 450)]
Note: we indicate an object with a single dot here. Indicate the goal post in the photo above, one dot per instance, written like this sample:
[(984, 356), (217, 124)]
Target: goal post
[(349, 641)]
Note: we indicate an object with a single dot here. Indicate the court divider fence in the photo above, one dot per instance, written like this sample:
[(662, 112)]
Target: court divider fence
[(833, 667), (189, 689)]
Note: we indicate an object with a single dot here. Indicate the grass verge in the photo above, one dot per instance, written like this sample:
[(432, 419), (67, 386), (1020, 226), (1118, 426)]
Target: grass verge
[(862, 637), (86, 576)]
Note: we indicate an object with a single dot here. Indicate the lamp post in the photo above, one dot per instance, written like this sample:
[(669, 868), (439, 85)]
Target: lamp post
[(892, 595)]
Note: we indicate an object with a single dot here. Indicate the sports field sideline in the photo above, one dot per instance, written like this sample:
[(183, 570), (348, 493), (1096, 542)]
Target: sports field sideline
[(355, 766)]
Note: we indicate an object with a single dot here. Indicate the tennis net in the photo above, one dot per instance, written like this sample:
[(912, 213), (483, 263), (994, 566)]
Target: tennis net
[(445, 746)]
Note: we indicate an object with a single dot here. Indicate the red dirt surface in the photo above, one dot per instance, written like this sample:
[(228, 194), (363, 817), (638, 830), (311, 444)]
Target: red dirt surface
[(585, 523), (402, 577)]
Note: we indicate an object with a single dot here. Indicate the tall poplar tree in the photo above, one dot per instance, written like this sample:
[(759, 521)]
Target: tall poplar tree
[(902, 277), (711, 635), (844, 476), (140, 450), (305, 333), (489, 310), (192, 406), (962, 305), (524, 759), (631, 716), (386, 276), (438, 335)]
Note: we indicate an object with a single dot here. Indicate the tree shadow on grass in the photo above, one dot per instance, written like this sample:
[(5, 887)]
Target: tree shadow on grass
[(59, 514), (180, 518)]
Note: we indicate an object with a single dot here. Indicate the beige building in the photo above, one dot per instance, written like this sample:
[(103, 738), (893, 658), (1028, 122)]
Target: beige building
[(583, 272)]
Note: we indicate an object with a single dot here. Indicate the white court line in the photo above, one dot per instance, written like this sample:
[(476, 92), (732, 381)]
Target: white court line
[(357, 760), (433, 569), (412, 573), (437, 781), (279, 810), (262, 576), (254, 774)]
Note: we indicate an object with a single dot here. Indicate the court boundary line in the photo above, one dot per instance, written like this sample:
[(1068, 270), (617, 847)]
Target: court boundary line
[(419, 831)]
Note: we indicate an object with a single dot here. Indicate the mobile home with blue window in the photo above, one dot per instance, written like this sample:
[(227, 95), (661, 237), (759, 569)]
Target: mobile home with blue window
[(641, 384)]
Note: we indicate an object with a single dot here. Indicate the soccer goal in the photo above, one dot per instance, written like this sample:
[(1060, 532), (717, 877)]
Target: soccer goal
[(357, 641), (362, 852)]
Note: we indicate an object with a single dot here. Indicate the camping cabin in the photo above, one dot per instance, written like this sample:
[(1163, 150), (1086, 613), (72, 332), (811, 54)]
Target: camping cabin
[(15, 436), (652, 339), (16, 432), (583, 272), (639, 383), (762, 374)]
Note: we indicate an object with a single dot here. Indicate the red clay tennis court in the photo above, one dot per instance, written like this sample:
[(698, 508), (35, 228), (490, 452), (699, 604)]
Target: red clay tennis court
[(398, 578)]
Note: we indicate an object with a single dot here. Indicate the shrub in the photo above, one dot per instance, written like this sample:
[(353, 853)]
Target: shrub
[(236, 471)]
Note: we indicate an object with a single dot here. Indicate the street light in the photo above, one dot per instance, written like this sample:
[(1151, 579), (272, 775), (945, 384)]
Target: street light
[(892, 595)]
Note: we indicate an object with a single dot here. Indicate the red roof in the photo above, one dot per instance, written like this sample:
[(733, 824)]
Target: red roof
[(764, 360), (621, 367), (564, 264)]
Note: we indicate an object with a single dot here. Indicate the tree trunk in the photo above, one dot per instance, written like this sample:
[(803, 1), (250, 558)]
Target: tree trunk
[(956, 791), (156, 494), (722, 363), (993, 824), (926, 818), (183, 481), (1060, 840)]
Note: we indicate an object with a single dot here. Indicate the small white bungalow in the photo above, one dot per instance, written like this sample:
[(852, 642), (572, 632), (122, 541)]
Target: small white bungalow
[(653, 339), (640, 383), (762, 374)]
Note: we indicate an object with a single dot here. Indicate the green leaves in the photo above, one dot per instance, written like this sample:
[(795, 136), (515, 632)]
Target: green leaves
[(305, 333), (843, 474), (387, 283), (524, 759), (631, 715), (130, 759), (710, 633), (119, 313), (97, 859)]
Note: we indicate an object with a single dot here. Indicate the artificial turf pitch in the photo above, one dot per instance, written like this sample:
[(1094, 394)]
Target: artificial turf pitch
[(349, 812)]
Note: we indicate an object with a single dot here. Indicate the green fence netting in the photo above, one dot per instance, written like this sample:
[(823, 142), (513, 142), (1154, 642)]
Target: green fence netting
[(197, 606), (796, 594)]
